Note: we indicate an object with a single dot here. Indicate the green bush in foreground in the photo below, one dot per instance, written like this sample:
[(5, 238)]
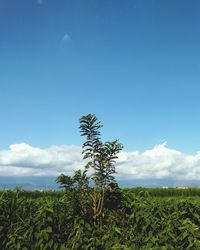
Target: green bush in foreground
[(137, 222)]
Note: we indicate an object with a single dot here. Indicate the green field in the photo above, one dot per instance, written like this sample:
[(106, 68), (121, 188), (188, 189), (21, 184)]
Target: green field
[(133, 219)]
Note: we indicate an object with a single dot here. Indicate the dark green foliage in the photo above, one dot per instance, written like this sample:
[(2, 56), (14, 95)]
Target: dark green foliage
[(101, 159), (80, 180), (28, 220), (89, 127), (101, 156), (66, 181), (105, 162), (114, 197)]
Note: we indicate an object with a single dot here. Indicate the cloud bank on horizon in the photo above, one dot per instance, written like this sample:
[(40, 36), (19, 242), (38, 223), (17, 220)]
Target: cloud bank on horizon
[(159, 162)]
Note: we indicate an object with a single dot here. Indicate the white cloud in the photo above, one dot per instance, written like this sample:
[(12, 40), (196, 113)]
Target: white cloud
[(23, 159), (159, 162)]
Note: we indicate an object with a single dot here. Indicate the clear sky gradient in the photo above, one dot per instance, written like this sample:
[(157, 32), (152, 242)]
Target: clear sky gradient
[(133, 63)]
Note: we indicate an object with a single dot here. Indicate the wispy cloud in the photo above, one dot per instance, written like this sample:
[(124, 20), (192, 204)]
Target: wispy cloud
[(65, 40), (159, 162), (66, 37), (40, 2)]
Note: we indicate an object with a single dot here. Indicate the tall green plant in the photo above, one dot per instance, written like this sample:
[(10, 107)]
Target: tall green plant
[(101, 158)]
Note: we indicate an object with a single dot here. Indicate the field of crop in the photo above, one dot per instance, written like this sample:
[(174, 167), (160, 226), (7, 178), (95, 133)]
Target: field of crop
[(133, 219)]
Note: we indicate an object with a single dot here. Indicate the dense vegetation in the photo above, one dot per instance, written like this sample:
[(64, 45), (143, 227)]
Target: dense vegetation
[(133, 219), (94, 213)]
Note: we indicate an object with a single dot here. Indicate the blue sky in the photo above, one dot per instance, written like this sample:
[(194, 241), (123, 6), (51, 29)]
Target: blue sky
[(133, 63)]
